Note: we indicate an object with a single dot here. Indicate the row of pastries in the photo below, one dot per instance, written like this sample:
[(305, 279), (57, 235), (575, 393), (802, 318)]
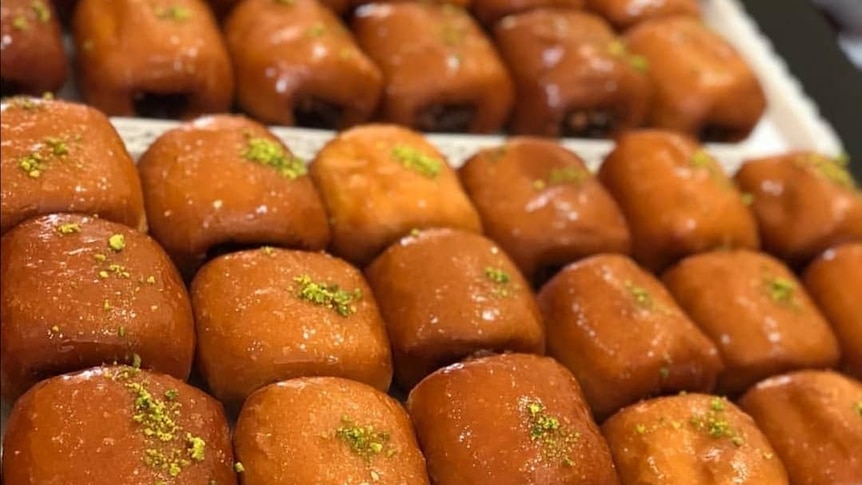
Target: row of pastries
[(300, 292), (546, 67)]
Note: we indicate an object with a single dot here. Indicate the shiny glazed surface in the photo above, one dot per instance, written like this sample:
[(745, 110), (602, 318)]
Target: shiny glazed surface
[(30, 32), (489, 12), (623, 14)]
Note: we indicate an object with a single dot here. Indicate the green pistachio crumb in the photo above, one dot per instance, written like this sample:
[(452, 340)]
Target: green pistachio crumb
[(781, 290), (43, 14), (172, 394), (103, 274), (117, 242), (328, 295), (317, 30), (57, 146), (833, 169), (121, 331), (174, 12), (640, 63), (363, 441), (618, 49), (858, 408), (100, 257), (567, 175), (237, 467), (640, 429), (136, 361), (69, 228), (716, 404), (556, 440), (415, 232), (272, 154), (151, 280), (268, 250), (747, 198), (714, 423), (701, 159), (664, 372), (107, 305), (539, 184), (417, 161), (196, 447), (33, 164), (501, 280), (20, 23), (641, 296)]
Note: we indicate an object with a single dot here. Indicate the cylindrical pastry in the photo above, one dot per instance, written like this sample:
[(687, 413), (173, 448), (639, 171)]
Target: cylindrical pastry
[(64, 157), (440, 72), (488, 12), (804, 202), (757, 313), (117, 425), (622, 335), (77, 292), (834, 281), (269, 314), (543, 206), (676, 198), (573, 75), (702, 86), (691, 439), (32, 59), (508, 420), (379, 182), (151, 58), (296, 64), (326, 431), (814, 421), (224, 181), (447, 294), (623, 14)]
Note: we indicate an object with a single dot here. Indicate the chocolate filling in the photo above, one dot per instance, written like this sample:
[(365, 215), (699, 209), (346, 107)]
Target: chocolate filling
[(719, 133), (161, 105), (317, 113), (442, 118), (589, 123)]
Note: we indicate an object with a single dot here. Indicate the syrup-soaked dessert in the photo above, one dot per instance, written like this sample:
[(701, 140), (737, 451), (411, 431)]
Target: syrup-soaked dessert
[(573, 75), (509, 420), (222, 182), (440, 72), (379, 182), (691, 439), (702, 86), (326, 431), (488, 12), (447, 294), (623, 14), (32, 59), (64, 157), (151, 58), (297, 64), (542, 205), (267, 315), (834, 280), (618, 330), (117, 424), (77, 291), (676, 198), (757, 313), (804, 202), (814, 421)]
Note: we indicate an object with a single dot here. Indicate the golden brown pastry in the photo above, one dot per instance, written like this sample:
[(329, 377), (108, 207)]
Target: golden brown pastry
[(542, 205), (77, 292), (676, 198), (623, 14), (296, 64), (447, 294), (269, 314), (32, 59), (440, 71), (225, 181), (574, 76), (834, 281), (151, 58), (618, 330), (702, 86), (691, 439), (756, 311), (64, 157), (488, 12), (814, 421), (117, 425), (326, 431), (508, 420), (804, 202), (379, 182)]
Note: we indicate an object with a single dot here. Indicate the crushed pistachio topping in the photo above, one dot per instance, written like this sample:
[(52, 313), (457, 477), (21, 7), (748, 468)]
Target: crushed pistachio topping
[(20, 23), (858, 407), (100, 257), (715, 424), (364, 441), (237, 467), (781, 290), (417, 161), (747, 198), (328, 295), (117, 242), (33, 164), (272, 154), (174, 12), (560, 176), (640, 429), (317, 30), (497, 154), (617, 49), (833, 169), (664, 370), (24, 102), (501, 279), (415, 232), (641, 296), (267, 250), (151, 280), (121, 331), (69, 228), (43, 14), (556, 440)]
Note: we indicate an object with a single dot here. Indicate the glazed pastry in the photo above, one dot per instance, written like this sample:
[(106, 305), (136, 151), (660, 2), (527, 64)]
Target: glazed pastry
[(623, 14), (312, 314), (691, 439), (32, 59), (757, 313), (676, 198), (447, 294), (296, 64), (805, 203), (225, 181), (814, 421), (64, 157), (151, 58), (509, 420), (833, 280), (77, 291), (574, 76), (441, 74), (326, 431), (488, 12), (117, 425), (618, 330), (379, 182), (542, 205), (703, 87)]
